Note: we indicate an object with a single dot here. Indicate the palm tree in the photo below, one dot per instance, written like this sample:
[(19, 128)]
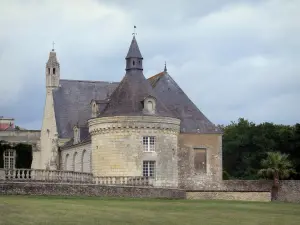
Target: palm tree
[(276, 166)]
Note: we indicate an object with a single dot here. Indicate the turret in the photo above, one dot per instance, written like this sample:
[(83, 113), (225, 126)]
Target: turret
[(134, 59), (52, 71)]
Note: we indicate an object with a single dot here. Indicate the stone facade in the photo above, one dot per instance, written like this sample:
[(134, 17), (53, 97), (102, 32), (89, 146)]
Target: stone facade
[(189, 177), (76, 158), (117, 147)]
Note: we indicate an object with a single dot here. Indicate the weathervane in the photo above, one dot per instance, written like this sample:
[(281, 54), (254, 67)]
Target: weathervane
[(53, 46), (165, 69), (134, 31)]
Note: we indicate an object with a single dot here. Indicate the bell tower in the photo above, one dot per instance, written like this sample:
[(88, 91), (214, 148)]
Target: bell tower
[(47, 156), (52, 70)]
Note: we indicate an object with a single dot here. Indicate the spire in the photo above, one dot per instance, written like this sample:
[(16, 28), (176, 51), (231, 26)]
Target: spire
[(134, 51), (133, 93), (52, 70), (52, 61), (134, 58), (165, 69)]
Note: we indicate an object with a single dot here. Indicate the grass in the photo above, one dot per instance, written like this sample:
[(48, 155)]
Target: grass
[(25, 210)]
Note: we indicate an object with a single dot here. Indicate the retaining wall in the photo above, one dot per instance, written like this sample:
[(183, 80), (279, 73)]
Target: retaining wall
[(289, 190), (21, 188)]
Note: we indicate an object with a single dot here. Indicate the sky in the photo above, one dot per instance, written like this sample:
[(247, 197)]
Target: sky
[(233, 58)]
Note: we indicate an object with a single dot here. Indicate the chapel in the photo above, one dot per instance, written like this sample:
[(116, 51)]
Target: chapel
[(137, 127)]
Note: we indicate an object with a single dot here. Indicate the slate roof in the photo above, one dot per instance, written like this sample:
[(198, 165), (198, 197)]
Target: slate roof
[(134, 51), (192, 119), (127, 98), (84, 137), (72, 102)]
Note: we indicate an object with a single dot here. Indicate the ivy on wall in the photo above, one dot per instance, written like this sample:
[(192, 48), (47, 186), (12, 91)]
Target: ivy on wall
[(23, 154)]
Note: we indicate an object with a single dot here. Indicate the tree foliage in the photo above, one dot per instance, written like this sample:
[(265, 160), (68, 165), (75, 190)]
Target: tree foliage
[(246, 144), (276, 166)]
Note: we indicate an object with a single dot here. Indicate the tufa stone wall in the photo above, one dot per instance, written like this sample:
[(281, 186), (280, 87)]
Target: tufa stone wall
[(189, 177), (241, 196), (76, 158), (47, 157), (88, 190), (117, 147), (289, 190)]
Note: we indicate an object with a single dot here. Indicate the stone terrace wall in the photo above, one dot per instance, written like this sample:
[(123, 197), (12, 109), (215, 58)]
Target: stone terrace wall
[(13, 188), (289, 190), (244, 196)]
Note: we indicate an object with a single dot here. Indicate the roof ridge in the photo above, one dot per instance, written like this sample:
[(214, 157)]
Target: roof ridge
[(156, 75), (90, 81)]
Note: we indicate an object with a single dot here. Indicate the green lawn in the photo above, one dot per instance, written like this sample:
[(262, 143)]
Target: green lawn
[(23, 210)]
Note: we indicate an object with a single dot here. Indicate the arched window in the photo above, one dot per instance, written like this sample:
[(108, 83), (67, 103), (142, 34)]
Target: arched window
[(133, 62), (53, 70), (9, 157), (67, 162), (75, 162), (150, 105), (85, 162)]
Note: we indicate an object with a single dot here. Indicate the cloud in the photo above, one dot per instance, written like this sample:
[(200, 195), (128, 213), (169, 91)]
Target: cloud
[(233, 58)]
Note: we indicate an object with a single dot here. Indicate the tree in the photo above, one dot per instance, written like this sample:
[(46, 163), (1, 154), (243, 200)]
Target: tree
[(276, 166)]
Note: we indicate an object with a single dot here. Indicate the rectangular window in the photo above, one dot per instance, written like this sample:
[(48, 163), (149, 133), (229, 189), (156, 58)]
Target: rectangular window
[(200, 159), (148, 168), (149, 144), (9, 159)]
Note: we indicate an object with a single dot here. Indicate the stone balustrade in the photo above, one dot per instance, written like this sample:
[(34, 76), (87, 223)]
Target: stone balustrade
[(126, 180), (56, 176), (45, 176)]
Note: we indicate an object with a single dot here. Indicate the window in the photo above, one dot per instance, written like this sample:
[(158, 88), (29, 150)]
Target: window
[(200, 159), (53, 70), (84, 162), (133, 62), (9, 159), (67, 162), (150, 105), (75, 162), (149, 144), (148, 168), (48, 70)]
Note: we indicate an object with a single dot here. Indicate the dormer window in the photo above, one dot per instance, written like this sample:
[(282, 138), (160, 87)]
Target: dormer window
[(95, 108), (76, 135), (149, 105)]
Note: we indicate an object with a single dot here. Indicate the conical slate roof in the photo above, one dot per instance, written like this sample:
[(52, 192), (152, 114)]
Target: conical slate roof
[(127, 99), (134, 51)]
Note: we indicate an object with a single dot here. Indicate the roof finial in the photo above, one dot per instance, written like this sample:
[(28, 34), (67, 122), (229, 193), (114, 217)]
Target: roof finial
[(53, 46), (165, 70), (134, 31)]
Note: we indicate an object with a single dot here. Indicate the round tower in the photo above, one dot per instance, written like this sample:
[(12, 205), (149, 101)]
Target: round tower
[(135, 135)]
